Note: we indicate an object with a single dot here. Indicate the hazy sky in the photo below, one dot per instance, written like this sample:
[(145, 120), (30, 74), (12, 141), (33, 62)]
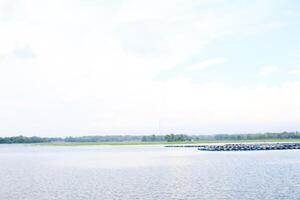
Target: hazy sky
[(83, 67)]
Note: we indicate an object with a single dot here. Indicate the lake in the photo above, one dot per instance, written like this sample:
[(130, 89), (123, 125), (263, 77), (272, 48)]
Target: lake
[(145, 172)]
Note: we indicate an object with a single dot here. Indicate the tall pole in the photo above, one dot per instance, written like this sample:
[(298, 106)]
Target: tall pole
[(159, 127)]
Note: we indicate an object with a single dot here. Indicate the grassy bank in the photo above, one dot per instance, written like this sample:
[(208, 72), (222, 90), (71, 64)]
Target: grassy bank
[(163, 143)]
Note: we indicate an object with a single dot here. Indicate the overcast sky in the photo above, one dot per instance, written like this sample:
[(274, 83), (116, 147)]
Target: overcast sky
[(86, 67)]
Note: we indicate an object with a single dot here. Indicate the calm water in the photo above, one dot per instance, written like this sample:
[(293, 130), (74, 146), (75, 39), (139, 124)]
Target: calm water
[(145, 172)]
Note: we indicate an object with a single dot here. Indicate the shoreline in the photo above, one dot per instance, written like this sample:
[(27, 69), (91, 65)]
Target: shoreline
[(186, 143)]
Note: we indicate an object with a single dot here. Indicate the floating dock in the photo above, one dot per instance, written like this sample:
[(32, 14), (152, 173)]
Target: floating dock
[(250, 147)]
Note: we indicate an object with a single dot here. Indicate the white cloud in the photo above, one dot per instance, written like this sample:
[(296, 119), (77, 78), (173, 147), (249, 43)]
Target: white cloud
[(207, 63), (269, 69)]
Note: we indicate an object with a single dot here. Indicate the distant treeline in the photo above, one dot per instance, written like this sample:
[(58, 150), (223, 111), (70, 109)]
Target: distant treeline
[(258, 136), (168, 138), (107, 138), (22, 139), (152, 138)]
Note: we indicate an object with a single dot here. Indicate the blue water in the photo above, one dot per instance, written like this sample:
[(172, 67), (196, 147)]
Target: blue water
[(145, 172)]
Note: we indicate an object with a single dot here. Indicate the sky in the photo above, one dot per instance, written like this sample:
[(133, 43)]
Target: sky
[(96, 67)]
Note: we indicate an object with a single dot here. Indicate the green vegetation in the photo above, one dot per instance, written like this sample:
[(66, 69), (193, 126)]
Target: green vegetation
[(156, 139), (163, 142), (22, 139), (259, 136)]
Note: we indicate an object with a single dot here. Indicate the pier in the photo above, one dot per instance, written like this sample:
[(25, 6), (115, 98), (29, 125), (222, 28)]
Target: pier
[(250, 147)]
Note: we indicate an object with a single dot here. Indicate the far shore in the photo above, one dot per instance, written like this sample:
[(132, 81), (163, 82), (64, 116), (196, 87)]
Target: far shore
[(162, 142)]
